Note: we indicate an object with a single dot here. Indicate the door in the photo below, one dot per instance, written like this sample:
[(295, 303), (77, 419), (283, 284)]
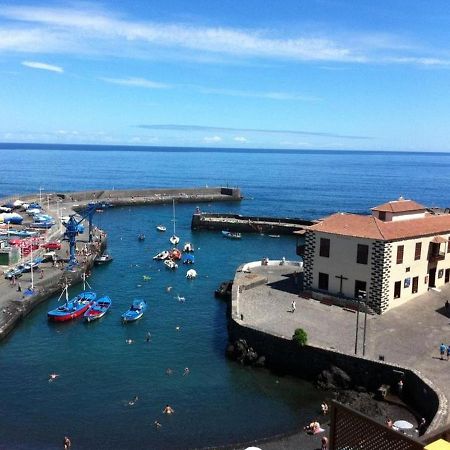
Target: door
[(432, 278), (415, 285), (447, 275), (397, 289)]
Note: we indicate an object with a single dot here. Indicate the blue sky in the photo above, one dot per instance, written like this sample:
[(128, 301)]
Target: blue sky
[(291, 74)]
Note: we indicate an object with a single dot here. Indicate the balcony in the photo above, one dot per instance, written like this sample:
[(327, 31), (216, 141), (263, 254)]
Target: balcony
[(435, 257)]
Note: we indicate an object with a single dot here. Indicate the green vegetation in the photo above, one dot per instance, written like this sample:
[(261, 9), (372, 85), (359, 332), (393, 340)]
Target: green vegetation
[(300, 337)]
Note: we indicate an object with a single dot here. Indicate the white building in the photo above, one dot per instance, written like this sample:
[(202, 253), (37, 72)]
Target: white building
[(396, 253)]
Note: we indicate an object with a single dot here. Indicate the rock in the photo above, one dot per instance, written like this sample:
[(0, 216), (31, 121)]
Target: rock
[(334, 378), (260, 362)]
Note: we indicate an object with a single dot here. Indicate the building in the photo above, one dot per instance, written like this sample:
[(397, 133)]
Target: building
[(395, 254)]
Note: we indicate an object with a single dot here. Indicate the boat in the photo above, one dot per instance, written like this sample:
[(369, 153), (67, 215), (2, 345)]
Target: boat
[(72, 308), (189, 259), (135, 312), (188, 247), (162, 255), (98, 309), (175, 254), (141, 237), (274, 235), (231, 234), (171, 264), (161, 228), (190, 274), (174, 239), (42, 225), (103, 259)]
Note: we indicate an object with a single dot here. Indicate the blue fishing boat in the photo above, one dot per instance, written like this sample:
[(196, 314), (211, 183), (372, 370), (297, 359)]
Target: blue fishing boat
[(72, 308), (135, 312), (98, 309)]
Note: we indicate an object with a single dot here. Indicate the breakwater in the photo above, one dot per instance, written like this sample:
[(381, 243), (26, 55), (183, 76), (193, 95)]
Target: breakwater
[(130, 197), (248, 224)]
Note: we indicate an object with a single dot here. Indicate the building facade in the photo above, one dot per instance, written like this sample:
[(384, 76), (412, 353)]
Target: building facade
[(395, 254)]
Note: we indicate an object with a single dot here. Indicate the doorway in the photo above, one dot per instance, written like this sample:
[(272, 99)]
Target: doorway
[(432, 278)]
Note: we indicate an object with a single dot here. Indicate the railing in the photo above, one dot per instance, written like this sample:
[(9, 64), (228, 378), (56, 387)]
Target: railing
[(436, 257), (350, 429)]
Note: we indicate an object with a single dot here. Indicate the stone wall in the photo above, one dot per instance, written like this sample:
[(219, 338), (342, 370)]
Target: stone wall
[(308, 362)]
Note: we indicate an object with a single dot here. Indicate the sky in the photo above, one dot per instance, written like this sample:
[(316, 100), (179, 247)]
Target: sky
[(290, 74)]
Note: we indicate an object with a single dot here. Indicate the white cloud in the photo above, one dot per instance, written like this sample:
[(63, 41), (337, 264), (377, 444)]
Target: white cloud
[(240, 139), (256, 94), (212, 139), (137, 82), (42, 66)]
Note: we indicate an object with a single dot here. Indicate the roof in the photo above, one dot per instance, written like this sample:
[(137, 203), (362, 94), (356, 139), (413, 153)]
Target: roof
[(370, 227), (400, 205)]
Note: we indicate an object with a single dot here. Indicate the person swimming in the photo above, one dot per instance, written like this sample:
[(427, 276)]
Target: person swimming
[(133, 401), (168, 410)]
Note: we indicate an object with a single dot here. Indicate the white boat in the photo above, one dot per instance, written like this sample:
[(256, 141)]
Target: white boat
[(231, 234), (188, 247), (161, 228), (190, 274), (170, 264), (174, 239), (162, 255)]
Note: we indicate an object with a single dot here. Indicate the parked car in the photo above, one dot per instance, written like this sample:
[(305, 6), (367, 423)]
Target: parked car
[(16, 272), (54, 245)]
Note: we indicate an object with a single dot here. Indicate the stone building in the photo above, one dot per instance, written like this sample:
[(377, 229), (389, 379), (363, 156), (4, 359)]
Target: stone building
[(396, 253)]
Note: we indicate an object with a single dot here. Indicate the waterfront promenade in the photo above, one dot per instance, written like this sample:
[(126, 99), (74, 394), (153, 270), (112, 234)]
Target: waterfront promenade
[(407, 336)]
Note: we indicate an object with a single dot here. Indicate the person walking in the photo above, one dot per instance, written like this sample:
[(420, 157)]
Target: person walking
[(448, 352), (293, 306), (324, 442), (442, 350)]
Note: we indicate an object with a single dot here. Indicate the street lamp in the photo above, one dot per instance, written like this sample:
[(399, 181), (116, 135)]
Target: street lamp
[(362, 295)]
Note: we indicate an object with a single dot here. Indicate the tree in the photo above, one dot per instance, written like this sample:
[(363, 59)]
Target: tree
[(300, 337)]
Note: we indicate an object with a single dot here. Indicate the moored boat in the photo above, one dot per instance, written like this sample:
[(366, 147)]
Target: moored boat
[(174, 239), (188, 247), (191, 273), (175, 254), (72, 308), (231, 234), (98, 309), (141, 237), (162, 255), (161, 228), (171, 264), (188, 259), (103, 259), (135, 312)]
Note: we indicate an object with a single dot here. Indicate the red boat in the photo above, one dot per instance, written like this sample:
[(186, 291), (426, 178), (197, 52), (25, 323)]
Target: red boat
[(175, 254), (72, 308)]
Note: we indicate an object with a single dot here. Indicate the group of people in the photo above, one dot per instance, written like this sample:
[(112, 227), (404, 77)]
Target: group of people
[(444, 350)]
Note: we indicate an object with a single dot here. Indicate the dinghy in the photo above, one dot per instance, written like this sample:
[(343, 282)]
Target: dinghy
[(135, 312), (98, 309)]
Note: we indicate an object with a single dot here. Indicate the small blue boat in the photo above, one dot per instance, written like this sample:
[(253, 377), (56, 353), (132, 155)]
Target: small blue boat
[(98, 309), (135, 312), (73, 308), (189, 259)]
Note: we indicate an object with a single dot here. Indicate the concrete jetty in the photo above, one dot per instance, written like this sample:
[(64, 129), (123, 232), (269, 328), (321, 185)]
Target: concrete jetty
[(248, 224)]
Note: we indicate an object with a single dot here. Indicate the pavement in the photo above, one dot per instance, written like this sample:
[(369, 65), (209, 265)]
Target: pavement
[(408, 335)]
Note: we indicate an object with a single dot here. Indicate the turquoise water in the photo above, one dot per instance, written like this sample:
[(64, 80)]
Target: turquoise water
[(219, 401)]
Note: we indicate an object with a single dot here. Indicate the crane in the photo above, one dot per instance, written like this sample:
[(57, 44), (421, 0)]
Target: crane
[(73, 229)]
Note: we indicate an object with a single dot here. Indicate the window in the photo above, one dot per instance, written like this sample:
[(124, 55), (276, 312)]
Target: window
[(415, 285), (324, 247), (400, 250), (360, 289), (448, 246), (418, 251), (382, 215), (323, 281), (362, 254), (397, 289)]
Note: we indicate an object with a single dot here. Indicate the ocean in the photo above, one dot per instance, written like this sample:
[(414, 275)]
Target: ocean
[(99, 371)]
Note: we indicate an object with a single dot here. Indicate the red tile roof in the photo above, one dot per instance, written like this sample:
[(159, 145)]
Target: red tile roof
[(372, 228), (400, 205)]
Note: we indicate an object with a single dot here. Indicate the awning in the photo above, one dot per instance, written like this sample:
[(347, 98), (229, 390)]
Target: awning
[(439, 240)]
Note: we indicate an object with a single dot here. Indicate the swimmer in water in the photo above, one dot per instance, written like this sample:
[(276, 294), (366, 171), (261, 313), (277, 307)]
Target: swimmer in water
[(157, 424), (168, 410), (53, 377), (129, 341), (186, 371), (169, 371), (134, 400)]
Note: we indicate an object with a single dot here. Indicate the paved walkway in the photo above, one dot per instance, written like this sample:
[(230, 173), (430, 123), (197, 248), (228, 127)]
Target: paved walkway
[(409, 335)]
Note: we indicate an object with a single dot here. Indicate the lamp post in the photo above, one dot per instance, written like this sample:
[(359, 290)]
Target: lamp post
[(361, 296)]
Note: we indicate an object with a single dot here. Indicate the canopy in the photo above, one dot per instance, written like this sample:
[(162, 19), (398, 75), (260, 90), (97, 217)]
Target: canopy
[(403, 425)]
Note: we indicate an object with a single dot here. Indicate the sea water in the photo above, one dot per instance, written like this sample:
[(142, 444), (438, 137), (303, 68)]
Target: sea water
[(103, 365)]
